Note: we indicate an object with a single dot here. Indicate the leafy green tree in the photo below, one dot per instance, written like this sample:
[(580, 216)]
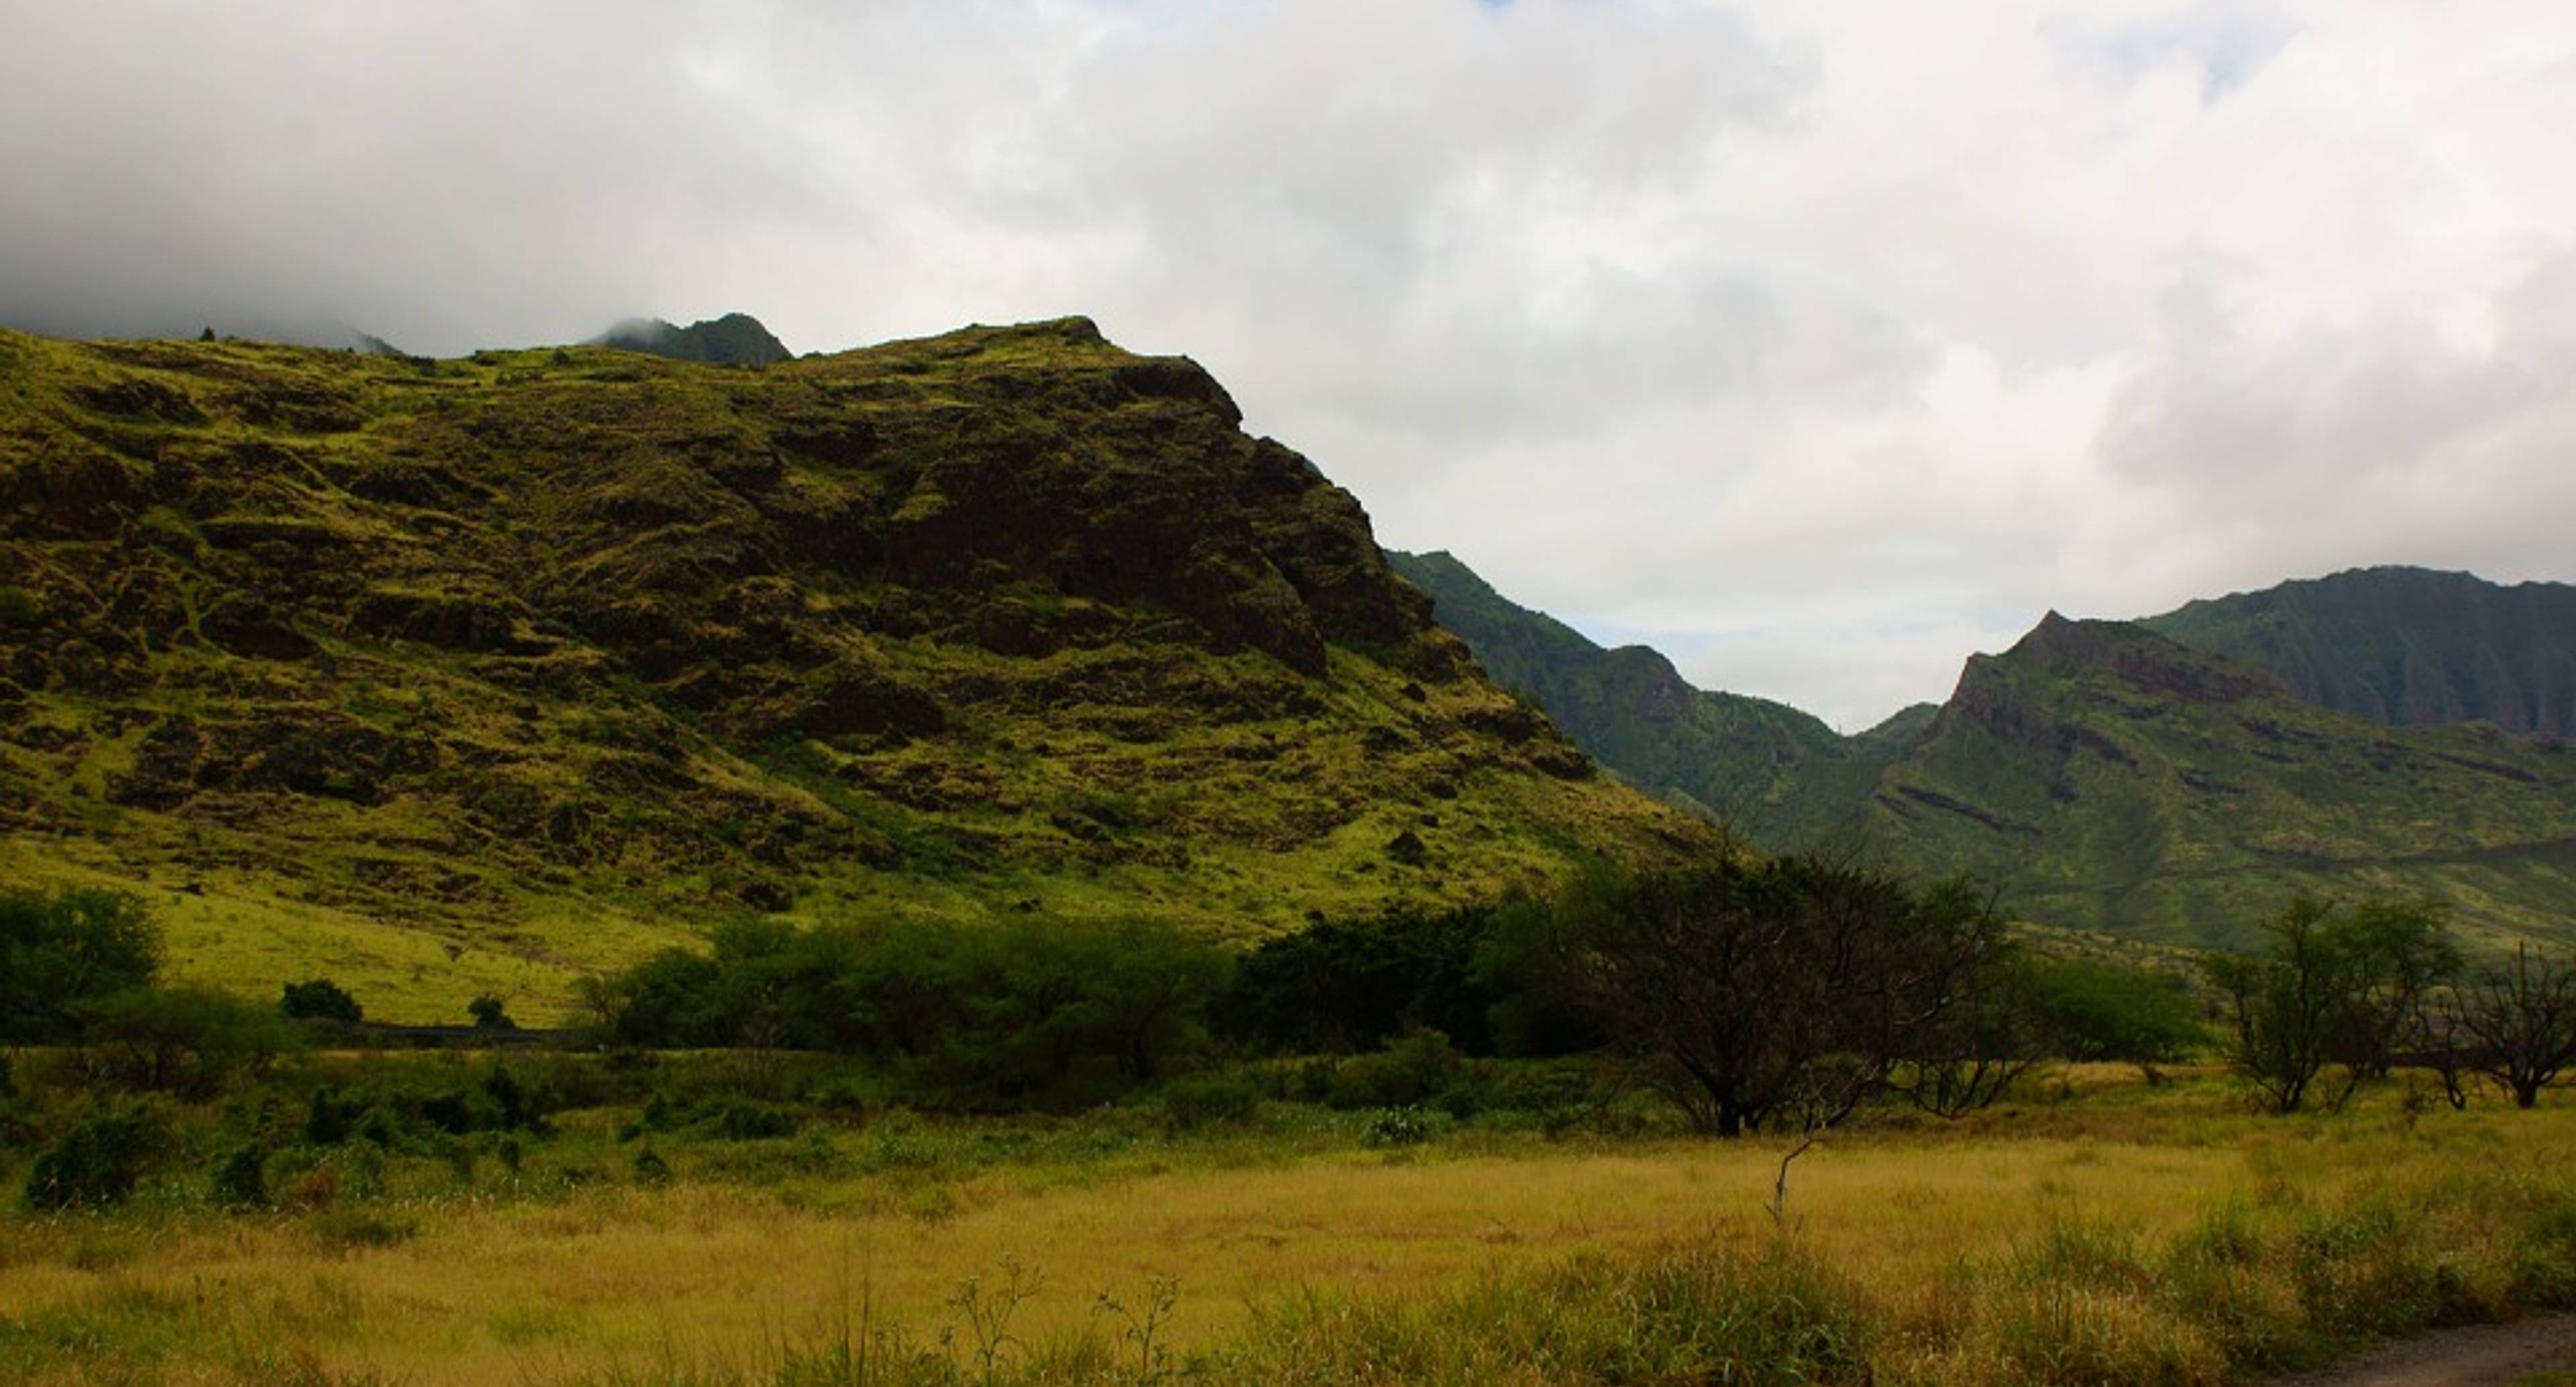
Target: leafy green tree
[(2091, 1011), (2329, 987), (490, 1014), (1346, 986), (1006, 1014), (62, 948), (2402, 952)]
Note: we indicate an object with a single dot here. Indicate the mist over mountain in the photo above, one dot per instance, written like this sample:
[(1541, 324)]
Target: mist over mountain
[(736, 339)]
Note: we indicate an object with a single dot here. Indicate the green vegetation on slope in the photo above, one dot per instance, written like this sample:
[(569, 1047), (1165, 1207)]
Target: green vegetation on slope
[(1780, 777), (471, 676), (2404, 645), (2112, 779)]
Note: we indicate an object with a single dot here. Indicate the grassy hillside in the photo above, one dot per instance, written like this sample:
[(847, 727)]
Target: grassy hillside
[(444, 676), (2404, 645), (2113, 779), (1779, 776)]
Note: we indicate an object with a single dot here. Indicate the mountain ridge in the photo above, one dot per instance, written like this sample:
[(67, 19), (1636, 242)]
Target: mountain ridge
[(468, 675), (2404, 645), (1779, 776), (2109, 776)]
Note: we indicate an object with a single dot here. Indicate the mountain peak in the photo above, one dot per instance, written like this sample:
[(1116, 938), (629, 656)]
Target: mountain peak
[(2137, 655), (736, 339)]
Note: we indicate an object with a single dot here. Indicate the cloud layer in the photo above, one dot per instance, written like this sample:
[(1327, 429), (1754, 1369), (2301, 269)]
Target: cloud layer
[(1819, 345)]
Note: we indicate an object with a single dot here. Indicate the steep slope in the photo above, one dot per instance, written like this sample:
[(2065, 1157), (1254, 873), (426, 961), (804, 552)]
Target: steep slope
[(1780, 777), (444, 676), (736, 339), (2404, 645), (2112, 779)]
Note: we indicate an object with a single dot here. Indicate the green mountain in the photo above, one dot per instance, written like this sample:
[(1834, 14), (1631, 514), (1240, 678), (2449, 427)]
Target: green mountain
[(440, 677), (2404, 645), (2105, 776), (2110, 778), (736, 339), (1778, 776)]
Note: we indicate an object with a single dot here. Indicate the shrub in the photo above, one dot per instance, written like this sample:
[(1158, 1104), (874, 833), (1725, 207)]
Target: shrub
[(490, 1014), (241, 1180), (1206, 1099), (1415, 1069), (99, 1162), (744, 1120), (1399, 1127), (319, 1000)]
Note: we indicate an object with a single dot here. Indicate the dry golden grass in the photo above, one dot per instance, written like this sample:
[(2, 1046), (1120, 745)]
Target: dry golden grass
[(701, 1274)]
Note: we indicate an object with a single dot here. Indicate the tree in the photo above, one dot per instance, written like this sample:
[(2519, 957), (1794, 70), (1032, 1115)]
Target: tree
[(188, 1041), (2400, 953), (62, 948), (1969, 1054), (2517, 1026), (2329, 989), (2285, 1005), (319, 1000), (1346, 986), (1786, 989), (2089, 1011), (490, 1014)]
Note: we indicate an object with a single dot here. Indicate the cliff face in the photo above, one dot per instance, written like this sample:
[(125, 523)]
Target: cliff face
[(498, 669), (2404, 646), (2110, 778)]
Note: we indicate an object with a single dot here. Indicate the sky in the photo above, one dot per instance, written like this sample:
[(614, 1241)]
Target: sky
[(1817, 345)]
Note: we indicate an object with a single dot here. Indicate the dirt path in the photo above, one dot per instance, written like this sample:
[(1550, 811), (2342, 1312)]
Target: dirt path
[(2487, 1355)]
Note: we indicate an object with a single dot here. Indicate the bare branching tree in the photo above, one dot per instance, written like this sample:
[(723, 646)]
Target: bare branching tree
[(2515, 1025)]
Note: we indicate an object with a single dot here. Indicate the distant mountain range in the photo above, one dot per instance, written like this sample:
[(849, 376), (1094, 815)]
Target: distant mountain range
[(736, 339), (2110, 776)]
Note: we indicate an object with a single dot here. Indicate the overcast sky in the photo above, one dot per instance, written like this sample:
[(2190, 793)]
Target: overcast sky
[(1817, 344)]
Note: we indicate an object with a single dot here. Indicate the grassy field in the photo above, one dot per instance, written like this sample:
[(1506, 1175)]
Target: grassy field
[(2100, 1232)]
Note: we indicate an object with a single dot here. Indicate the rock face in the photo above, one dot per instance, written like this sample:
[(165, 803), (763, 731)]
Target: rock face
[(1005, 619), (2404, 646)]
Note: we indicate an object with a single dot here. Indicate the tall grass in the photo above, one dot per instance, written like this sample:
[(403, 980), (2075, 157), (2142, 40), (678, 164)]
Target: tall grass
[(2247, 1289), (2169, 1243)]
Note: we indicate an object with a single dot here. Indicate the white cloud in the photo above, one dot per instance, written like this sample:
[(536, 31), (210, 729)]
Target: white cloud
[(1822, 343)]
